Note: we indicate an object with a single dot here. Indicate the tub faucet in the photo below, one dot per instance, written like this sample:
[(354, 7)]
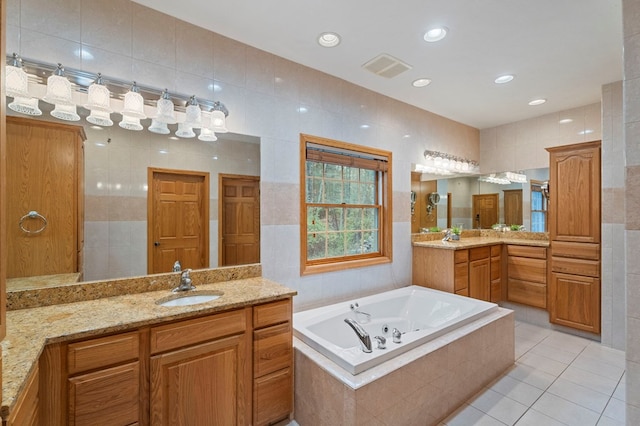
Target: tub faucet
[(397, 336), (363, 336), (185, 282)]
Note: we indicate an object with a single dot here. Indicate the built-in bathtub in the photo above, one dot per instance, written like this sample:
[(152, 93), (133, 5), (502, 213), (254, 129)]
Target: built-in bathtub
[(451, 347), (420, 314)]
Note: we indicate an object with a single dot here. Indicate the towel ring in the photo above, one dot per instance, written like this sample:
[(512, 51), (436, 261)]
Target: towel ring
[(33, 215)]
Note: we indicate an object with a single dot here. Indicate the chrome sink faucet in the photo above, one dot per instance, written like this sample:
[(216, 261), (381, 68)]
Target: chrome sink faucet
[(363, 336), (185, 282), (177, 267)]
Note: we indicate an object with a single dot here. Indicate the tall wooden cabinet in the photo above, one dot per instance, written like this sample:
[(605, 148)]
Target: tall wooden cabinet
[(574, 233), (45, 165)]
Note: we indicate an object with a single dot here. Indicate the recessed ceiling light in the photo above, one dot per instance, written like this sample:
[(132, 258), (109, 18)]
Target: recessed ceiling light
[(421, 82), (537, 102), (504, 79), (435, 34), (565, 121), (329, 39)]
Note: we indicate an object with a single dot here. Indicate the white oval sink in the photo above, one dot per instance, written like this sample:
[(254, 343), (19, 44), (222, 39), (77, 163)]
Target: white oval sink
[(188, 299)]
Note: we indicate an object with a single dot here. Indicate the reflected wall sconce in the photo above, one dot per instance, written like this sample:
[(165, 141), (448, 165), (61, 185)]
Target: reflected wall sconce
[(62, 83)]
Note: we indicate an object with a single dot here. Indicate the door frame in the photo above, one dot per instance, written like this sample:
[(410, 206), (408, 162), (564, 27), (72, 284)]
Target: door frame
[(205, 211), (221, 177)]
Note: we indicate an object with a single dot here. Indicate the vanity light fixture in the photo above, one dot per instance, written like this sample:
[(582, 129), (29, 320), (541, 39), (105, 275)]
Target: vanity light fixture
[(158, 127), (536, 102), (504, 79), (134, 103), (435, 34), (65, 112), (99, 103), (129, 122), (421, 82), (207, 135), (218, 118), (100, 118), (193, 114), (165, 109), (329, 39), (184, 131), (58, 88), (16, 80), (27, 106), (446, 164)]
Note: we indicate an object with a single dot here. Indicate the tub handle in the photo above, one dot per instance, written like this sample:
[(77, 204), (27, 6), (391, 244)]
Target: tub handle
[(382, 342), (397, 336)]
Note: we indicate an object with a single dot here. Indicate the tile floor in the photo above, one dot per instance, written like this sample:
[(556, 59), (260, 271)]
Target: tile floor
[(558, 379)]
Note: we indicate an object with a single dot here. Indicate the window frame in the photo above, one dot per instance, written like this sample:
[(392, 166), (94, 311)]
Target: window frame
[(536, 186), (384, 191)]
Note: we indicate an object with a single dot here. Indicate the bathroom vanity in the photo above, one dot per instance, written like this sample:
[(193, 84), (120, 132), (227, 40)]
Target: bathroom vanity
[(127, 360)]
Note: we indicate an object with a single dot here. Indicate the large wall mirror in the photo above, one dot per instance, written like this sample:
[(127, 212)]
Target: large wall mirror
[(475, 203), (117, 166)]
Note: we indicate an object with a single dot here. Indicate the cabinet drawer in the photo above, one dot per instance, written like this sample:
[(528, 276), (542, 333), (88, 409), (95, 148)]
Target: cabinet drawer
[(273, 397), (527, 251), (272, 349), (496, 250), (460, 256), (461, 276), (190, 332), (527, 293), (271, 313), (97, 353), (526, 269), (479, 253), (588, 268), (588, 251)]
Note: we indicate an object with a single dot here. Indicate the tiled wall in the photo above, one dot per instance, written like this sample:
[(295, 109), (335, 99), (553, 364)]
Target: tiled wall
[(264, 94), (631, 110)]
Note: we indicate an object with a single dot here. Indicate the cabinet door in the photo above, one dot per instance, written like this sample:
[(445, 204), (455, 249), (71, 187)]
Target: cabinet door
[(575, 301), (480, 279), (105, 397), (202, 385), (574, 207), (273, 399)]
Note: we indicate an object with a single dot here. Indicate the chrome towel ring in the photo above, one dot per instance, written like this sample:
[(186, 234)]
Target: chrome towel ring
[(33, 215)]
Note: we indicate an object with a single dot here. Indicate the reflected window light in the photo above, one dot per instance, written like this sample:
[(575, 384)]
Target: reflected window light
[(118, 186), (215, 157), (364, 126), (163, 151), (302, 110), (145, 187)]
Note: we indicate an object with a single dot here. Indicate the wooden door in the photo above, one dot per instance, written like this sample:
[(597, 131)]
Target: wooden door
[(513, 206), (485, 210), (239, 225), (574, 199), (45, 168), (200, 385), (178, 220)]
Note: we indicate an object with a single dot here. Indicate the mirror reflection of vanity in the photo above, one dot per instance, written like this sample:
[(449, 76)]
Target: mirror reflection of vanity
[(116, 167), (457, 194)]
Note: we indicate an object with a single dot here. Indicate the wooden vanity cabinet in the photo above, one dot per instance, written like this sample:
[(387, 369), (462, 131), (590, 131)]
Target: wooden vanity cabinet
[(272, 362), (200, 371), (25, 411), (480, 273), (496, 273)]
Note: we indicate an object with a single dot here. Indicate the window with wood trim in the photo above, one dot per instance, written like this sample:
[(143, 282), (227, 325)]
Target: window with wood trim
[(345, 205), (538, 207)]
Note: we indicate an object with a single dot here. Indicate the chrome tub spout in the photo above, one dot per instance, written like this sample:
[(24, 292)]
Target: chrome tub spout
[(363, 336)]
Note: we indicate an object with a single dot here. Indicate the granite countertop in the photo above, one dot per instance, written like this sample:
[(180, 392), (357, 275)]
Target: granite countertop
[(465, 243), (29, 330)]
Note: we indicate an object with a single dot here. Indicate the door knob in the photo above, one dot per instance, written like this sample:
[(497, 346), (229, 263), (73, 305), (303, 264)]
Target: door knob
[(157, 243)]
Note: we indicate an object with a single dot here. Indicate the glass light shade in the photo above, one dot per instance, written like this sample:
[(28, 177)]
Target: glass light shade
[(65, 112), (158, 127), (193, 114), (16, 82), (218, 122), (134, 104), (207, 135), (28, 106), (58, 91), (98, 98), (185, 131), (130, 123), (165, 111), (100, 118)]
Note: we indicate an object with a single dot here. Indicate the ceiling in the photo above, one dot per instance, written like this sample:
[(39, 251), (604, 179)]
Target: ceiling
[(560, 50)]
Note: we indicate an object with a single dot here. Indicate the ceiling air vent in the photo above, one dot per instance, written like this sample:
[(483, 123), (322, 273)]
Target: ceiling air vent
[(386, 66)]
